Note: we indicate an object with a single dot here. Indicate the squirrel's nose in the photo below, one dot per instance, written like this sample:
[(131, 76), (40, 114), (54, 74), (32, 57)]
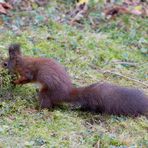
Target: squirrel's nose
[(5, 64)]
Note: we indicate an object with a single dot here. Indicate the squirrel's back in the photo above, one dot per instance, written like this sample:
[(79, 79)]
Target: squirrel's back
[(55, 76), (52, 75)]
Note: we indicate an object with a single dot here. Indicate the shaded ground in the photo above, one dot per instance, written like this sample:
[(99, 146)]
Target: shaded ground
[(86, 52)]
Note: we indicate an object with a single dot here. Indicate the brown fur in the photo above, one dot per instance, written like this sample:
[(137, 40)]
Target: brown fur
[(111, 99), (53, 77), (57, 87)]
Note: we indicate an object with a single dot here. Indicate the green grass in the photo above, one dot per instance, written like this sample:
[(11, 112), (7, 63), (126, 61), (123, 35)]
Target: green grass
[(123, 39)]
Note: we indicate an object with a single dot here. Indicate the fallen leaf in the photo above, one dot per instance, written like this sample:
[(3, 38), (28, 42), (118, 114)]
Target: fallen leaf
[(136, 12), (135, 8), (4, 7), (115, 10)]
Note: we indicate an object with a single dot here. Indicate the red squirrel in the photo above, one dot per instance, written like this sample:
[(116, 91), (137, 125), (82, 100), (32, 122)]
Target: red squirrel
[(57, 87), (52, 76)]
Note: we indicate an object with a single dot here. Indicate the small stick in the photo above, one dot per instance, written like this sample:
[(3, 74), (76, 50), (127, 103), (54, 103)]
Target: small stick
[(126, 63), (118, 74), (132, 79)]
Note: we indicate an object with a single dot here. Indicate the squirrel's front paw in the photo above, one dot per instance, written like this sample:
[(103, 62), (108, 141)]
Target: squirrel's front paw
[(15, 82)]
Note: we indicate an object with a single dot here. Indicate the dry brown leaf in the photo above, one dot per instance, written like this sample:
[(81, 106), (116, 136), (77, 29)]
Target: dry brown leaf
[(115, 10), (4, 7), (130, 7)]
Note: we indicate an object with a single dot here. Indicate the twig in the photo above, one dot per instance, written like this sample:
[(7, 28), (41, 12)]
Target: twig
[(131, 79), (118, 74), (143, 64), (125, 63)]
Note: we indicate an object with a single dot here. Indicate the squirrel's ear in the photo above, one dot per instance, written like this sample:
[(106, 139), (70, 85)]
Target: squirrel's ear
[(14, 50)]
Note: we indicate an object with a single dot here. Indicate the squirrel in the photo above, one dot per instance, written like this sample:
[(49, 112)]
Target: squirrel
[(55, 81), (57, 87)]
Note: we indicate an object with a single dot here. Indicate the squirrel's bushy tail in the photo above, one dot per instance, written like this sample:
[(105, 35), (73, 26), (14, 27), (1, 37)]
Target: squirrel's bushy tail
[(110, 99)]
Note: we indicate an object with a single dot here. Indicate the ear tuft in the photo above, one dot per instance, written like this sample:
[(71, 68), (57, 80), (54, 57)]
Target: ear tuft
[(14, 50)]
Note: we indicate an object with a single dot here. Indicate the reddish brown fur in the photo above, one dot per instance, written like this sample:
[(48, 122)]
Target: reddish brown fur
[(111, 99), (55, 81), (57, 87)]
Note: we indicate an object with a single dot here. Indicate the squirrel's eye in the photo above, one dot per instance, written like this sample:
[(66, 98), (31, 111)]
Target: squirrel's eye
[(5, 64)]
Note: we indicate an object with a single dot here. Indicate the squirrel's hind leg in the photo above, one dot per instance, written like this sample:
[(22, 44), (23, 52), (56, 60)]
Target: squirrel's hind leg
[(44, 100)]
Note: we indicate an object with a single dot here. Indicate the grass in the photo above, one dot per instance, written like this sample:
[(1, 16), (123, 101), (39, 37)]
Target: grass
[(123, 39)]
